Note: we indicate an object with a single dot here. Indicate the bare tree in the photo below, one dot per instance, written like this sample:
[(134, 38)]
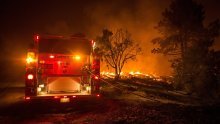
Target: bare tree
[(117, 49)]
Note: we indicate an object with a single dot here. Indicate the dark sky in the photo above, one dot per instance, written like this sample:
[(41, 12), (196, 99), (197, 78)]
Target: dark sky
[(20, 19), (26, 16), (41, 15)]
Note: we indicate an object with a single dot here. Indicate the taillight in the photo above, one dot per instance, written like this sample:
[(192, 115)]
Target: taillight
[(30, 76), (37, 37), (27, 98), (56, 97)]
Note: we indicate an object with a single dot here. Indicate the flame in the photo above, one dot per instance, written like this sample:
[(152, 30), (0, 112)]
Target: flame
[(131, 74), (138, 74)]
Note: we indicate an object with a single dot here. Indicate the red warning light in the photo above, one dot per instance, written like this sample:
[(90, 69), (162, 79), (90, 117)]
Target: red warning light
[(36, 37)]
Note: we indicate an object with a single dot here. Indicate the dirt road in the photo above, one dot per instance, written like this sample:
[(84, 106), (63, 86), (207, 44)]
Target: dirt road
[(106, 110)]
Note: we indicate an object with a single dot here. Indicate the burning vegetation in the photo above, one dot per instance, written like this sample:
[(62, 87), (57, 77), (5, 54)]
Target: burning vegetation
[(138, 74)]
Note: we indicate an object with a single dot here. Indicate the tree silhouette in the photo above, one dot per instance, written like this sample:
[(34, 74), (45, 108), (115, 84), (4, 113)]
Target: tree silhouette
[(180, 25), (185, 38), (117, 49)]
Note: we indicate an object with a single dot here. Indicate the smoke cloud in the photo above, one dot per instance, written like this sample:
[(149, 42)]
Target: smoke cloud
[(20, 20), (139, 20)]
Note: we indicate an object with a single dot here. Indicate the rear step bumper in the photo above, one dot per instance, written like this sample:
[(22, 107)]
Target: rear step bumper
[(58, 96)]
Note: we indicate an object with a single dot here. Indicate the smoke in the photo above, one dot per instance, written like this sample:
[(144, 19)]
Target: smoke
[(59, 27), (139, 19), (12, 62), (22, 19)]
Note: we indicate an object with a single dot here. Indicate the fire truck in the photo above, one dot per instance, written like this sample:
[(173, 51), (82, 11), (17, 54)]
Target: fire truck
[(62, 68)]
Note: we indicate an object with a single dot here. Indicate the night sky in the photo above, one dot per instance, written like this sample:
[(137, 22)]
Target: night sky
[(20, 19)]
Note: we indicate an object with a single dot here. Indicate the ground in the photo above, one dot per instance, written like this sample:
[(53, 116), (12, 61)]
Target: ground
[(133, 101)]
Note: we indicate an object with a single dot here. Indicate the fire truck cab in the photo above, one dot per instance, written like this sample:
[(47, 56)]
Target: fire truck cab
[(61, 67)]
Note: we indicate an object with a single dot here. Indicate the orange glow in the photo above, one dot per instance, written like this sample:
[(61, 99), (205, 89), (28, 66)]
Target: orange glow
[(106, 74), (30, 57), (42, 61), (59, 62), (30, 77), (29, 60), (138, 72), (77, 57), (74, 96), (131, 73)]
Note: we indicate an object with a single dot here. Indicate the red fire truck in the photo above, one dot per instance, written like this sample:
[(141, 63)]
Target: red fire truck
[(62, 68)]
